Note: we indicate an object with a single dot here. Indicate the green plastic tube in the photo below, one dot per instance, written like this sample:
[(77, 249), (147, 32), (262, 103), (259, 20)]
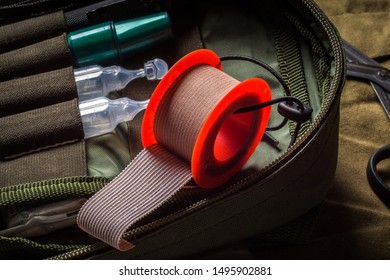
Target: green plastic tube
[(108, 43)]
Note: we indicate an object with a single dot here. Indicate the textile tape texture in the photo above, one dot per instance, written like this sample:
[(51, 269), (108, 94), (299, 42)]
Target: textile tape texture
[(189, 131)]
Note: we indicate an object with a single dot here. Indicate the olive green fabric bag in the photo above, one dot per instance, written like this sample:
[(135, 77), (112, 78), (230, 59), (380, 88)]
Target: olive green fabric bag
[(277, 194)]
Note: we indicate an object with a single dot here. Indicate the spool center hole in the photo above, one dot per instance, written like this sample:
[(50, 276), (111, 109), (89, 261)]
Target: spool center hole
[(233, 135)]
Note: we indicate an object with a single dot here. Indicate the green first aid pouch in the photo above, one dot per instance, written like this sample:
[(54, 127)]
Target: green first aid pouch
[(48, 170)]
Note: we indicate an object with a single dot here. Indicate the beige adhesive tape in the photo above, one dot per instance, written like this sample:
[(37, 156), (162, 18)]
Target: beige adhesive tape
[(189, 131)]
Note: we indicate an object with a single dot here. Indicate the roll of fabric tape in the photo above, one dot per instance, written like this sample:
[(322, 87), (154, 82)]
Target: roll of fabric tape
[(189, 131)]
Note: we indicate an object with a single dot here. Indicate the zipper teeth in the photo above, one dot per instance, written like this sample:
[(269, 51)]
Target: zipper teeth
[(338, 58)]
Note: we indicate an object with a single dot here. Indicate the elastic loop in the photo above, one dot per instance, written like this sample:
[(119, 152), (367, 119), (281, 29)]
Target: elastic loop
[(262, 64), (299, 114)]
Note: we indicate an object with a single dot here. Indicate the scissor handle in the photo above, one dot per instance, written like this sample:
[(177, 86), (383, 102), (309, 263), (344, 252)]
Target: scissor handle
[(376, 182), (378, 75)]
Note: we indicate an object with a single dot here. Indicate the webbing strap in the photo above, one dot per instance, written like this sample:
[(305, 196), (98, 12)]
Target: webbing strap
[(39, 129), (37, 91), (290, 63), (40, 57), (30, 31), (319, 55), (67, 160), (189, 130)]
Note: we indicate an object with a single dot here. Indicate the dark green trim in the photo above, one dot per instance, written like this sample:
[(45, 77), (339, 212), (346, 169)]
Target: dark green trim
[(50, 189)]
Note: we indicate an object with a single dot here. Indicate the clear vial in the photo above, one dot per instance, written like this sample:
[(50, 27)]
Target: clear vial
[(101, 115), (96, 81)]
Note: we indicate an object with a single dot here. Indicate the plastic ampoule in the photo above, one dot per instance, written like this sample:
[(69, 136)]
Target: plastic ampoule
[(101, 115), (96, 81)]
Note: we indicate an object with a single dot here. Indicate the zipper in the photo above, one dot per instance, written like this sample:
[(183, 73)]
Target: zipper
[(334, 89)]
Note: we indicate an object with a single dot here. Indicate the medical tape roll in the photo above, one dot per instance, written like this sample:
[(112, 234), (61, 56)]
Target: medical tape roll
[(189, 131)]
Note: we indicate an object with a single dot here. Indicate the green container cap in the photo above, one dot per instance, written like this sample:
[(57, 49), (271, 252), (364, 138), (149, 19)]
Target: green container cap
[(107, 43)]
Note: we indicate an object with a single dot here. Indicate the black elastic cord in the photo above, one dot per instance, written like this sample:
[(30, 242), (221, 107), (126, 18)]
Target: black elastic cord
[(288, 98), (263, 65)]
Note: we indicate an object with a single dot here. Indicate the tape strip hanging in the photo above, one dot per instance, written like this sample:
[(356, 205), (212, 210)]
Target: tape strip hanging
[(189, 131), (150, 179)]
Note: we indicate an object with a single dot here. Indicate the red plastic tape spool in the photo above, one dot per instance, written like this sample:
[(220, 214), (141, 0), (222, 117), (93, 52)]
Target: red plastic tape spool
[(189, 130), (226, 140)]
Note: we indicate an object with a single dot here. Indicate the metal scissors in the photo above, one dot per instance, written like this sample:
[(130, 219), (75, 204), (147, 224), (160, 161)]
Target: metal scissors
[(361, 66)]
